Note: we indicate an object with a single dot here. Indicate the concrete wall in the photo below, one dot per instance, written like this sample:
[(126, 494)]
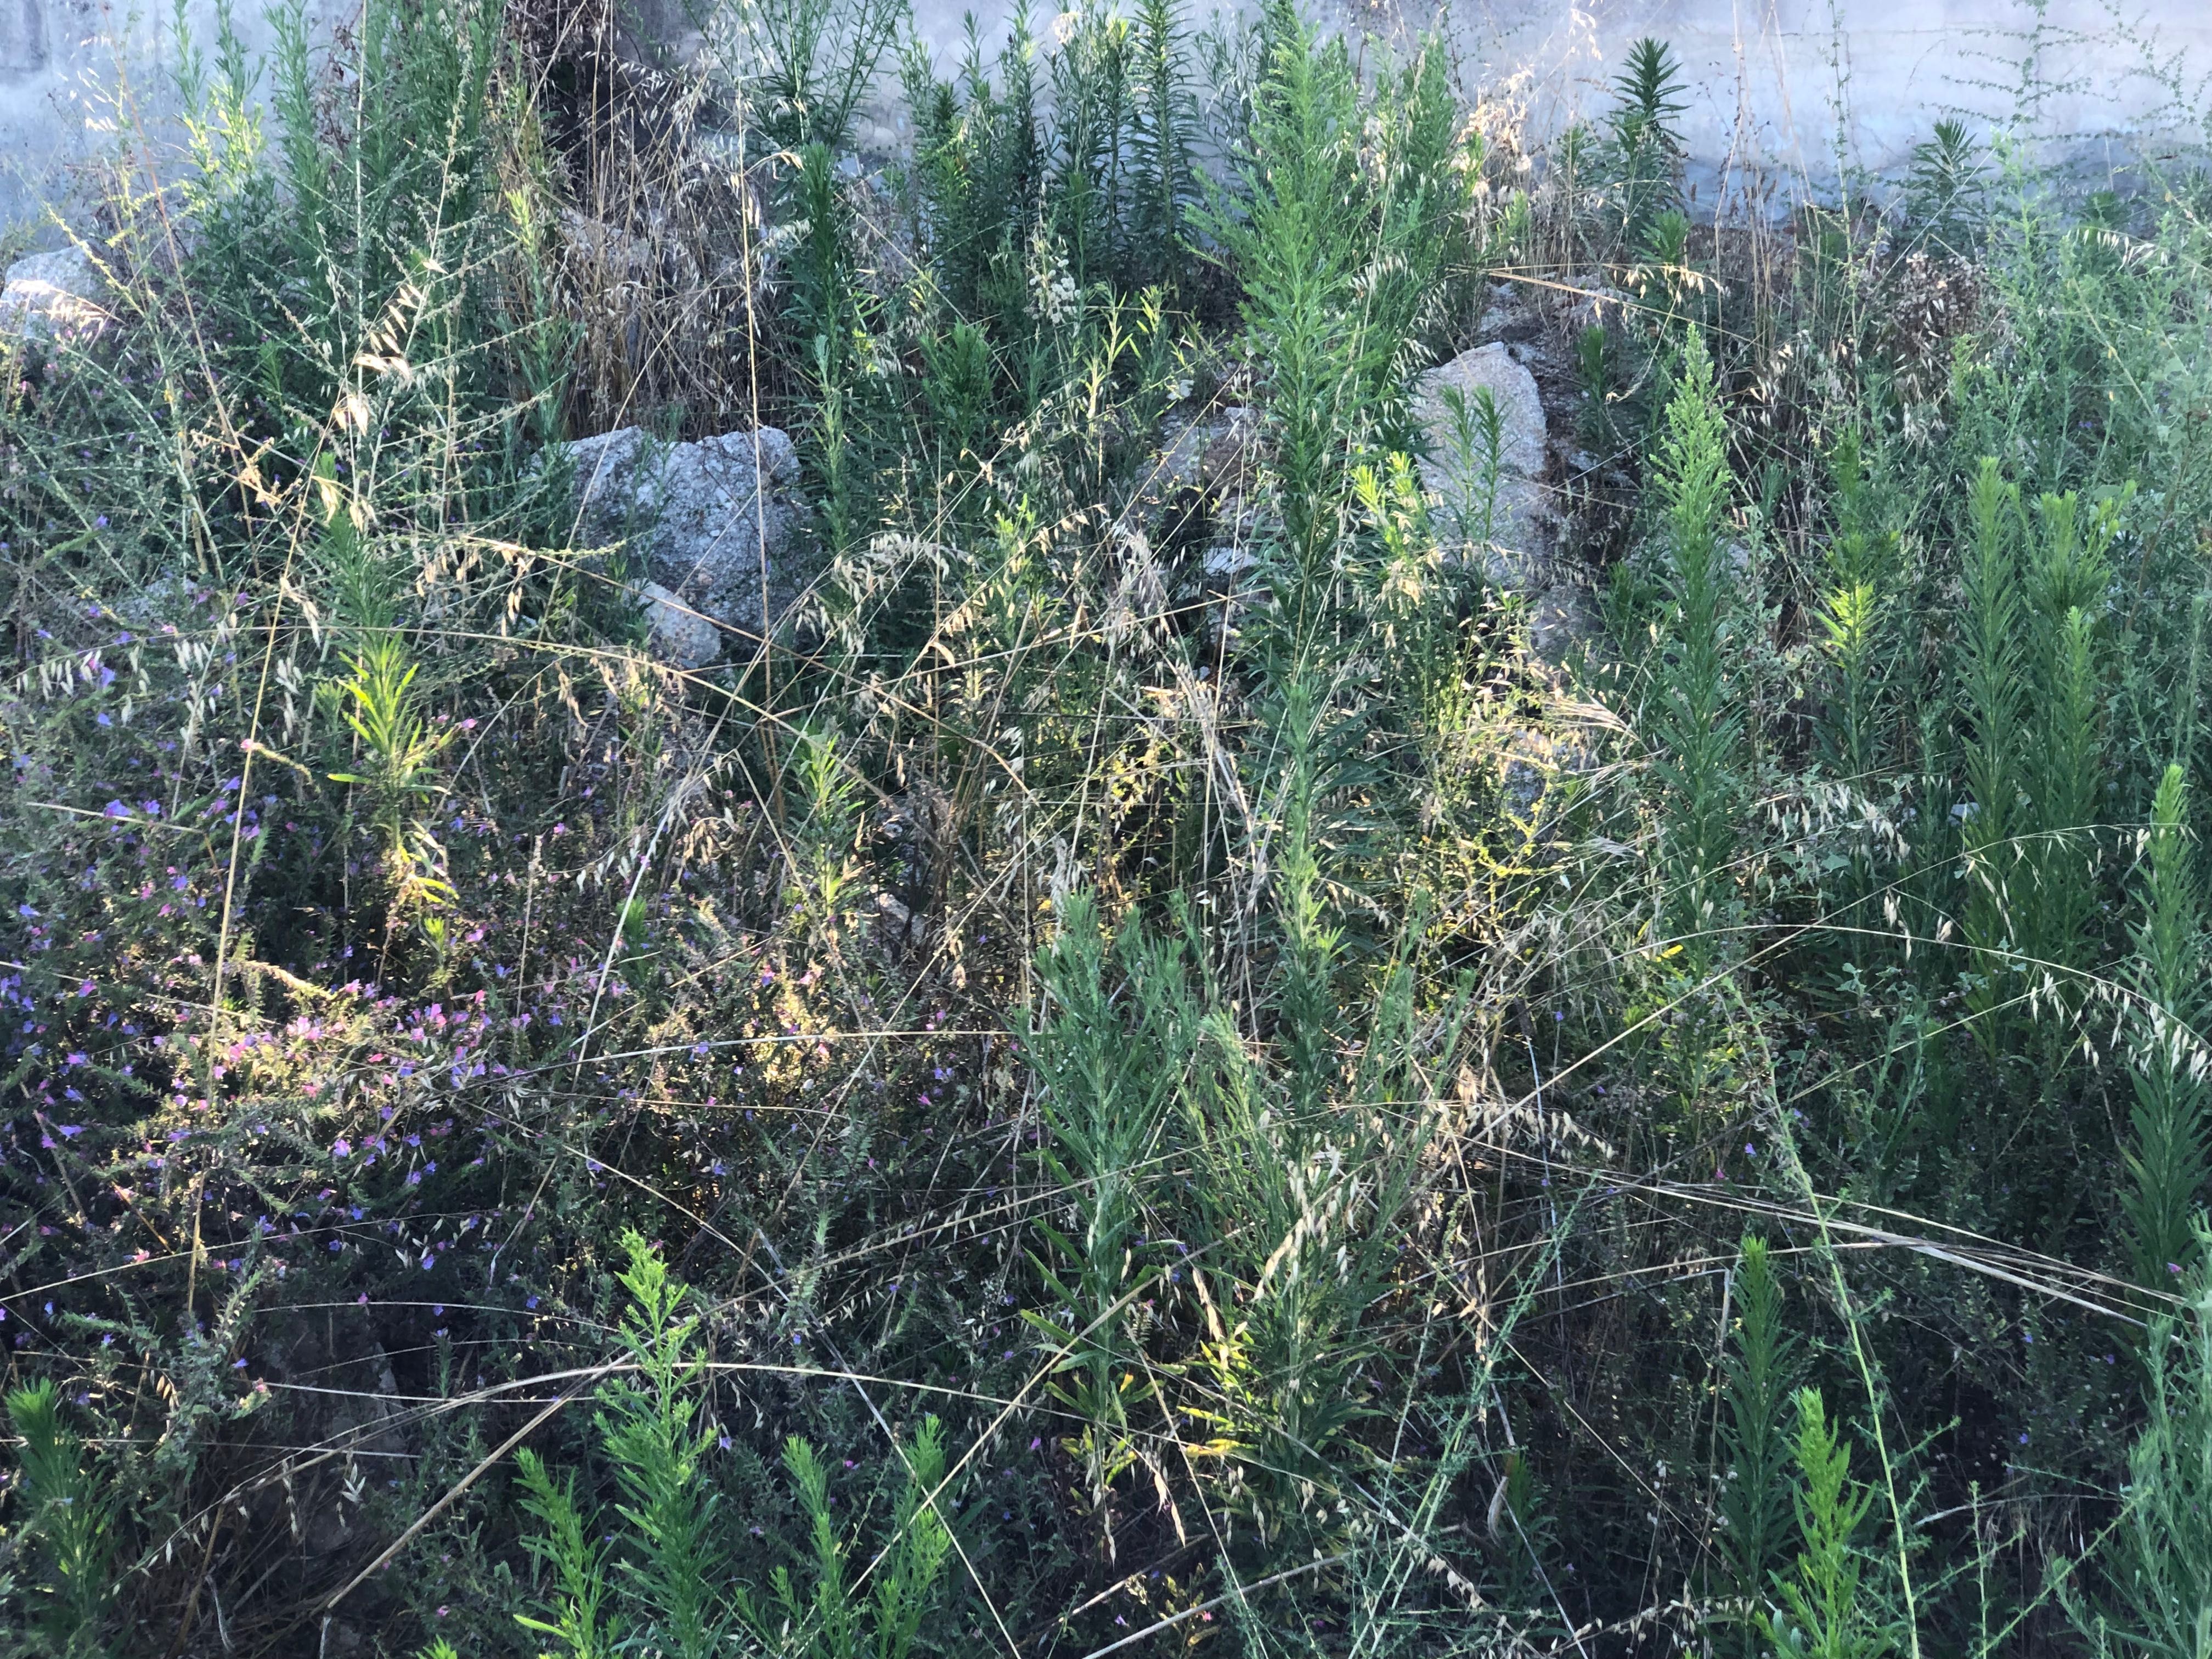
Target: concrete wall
[(1768, 77), (1789, 85), (37, 39), (1793, 84), (74, 74)]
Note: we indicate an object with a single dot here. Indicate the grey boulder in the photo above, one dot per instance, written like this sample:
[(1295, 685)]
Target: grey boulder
[(714, 525), (1499, 516)]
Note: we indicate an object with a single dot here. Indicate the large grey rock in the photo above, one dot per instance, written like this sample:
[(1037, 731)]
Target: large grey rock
[(58, 296), (704, 521), (1499, 517)]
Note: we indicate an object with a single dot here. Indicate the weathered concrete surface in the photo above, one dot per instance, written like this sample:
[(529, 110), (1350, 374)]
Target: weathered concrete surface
[(76, 73), (1788, 86), (1781, 87)]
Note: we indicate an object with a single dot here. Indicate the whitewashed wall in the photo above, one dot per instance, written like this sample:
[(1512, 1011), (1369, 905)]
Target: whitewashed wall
[(1782, 85), (1794, 84), (75, 73)]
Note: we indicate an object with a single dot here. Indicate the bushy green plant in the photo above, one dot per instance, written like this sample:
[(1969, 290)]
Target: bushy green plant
[(834, 1622), (1311, 1146), (1753, 1505), (1695, 714), (1162, 176), (979, 164), (2155, 1575), (1992, 674), (1827, 1609), (2067, 781), (2166, 1164), (1646, 144), (1110, 1081), (818, 61), (1943, 191), (67, 1509), (1339, 264), (664, 1579), (1858, 620), (383, 711)]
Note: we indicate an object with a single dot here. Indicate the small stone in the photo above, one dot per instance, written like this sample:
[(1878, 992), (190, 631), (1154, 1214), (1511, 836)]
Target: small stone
[(1217, 453), (681, 637), (1598, 307), (55, 295)]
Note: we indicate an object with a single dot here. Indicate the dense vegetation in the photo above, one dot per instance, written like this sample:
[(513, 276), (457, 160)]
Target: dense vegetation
[(1147, 1070)]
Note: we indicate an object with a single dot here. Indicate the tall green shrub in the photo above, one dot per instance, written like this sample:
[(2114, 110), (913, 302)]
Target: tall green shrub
[(67, 1510), (1759, 1381), (1110, 1061), (2166, 1164), (1828, 1610), (1992, 676), (1694, 715)]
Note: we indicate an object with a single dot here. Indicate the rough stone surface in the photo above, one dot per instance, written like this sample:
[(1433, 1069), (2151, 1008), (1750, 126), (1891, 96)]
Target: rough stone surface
[(1562, 617), (701, 520), (1217, 453), (1596, 305), (1508, 530), (54, 296), (681, 637), (1196, 499)]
